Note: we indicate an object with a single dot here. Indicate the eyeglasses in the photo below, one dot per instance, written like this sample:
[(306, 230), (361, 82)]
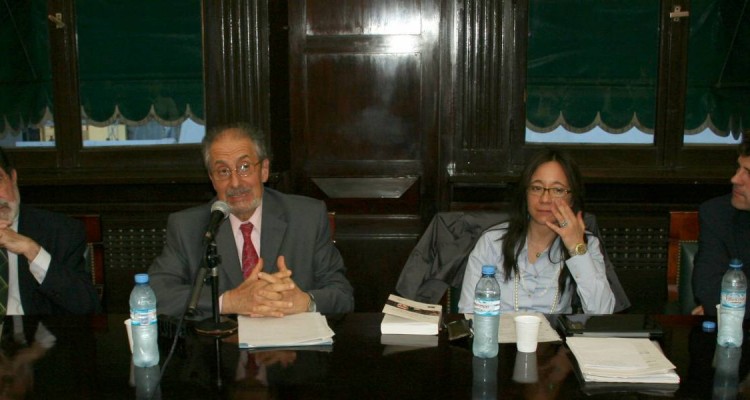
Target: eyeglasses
[(537, 190), (244, 169)]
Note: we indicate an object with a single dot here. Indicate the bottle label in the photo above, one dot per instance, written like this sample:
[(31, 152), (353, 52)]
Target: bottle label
[(487, 307), (146, 316), (733, 299)]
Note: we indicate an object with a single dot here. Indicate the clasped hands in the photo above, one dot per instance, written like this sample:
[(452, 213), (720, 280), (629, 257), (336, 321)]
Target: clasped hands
[(266, 295)]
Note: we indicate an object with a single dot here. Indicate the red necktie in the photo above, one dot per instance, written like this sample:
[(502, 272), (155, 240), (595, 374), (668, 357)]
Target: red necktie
[(249, 255)]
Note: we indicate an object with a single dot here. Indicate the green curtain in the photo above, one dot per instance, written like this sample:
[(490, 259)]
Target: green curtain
[(25, 74), (139, 54)]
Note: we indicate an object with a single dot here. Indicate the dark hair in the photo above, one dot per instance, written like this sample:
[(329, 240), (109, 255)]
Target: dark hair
[(518, 224), (241, 130), (744, 147), (5, 162)]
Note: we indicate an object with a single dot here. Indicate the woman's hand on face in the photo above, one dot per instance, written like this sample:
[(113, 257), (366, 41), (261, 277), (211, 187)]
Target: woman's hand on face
[(569, 226)]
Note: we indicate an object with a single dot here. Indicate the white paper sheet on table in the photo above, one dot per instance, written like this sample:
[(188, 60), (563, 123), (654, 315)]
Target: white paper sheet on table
[(507, 331)]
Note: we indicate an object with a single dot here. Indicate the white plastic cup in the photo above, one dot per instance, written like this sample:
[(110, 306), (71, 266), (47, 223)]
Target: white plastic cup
[(129, 329), (527, 332), (524, 370)]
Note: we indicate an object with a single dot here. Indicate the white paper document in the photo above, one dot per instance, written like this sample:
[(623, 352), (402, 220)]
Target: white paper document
[(622, 360), (408, 317), (507, 331), (304, 329)]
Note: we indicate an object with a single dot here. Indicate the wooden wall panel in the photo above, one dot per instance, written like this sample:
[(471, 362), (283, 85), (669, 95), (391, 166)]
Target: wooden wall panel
[(363, 89), (362, 107)]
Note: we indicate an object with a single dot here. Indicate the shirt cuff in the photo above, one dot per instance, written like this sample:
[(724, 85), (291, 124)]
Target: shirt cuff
[(40, 265)]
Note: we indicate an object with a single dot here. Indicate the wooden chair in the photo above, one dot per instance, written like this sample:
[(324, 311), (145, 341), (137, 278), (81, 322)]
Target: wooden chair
[(95, 251), (683, 244)]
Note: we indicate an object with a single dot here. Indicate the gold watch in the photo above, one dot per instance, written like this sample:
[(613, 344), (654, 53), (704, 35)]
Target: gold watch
[(578, 249)]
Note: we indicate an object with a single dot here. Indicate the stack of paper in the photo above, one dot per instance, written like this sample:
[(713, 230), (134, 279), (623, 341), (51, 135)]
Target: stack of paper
[(305, 329), (408, 317), (622, 360)]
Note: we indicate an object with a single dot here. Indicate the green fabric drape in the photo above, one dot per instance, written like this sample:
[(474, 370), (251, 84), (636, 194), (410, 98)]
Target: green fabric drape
[(25, 74), (141, 59)]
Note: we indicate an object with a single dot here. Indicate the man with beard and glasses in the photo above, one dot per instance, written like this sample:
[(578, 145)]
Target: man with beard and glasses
[(287, 265), (724, 235), (45, 268)]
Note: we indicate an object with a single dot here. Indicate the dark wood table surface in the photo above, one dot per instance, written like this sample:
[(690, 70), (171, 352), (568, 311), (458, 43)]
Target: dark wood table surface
[(90, 359)]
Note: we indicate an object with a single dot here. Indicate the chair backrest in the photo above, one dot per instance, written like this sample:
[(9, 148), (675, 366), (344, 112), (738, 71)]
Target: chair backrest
[(683, 244), (95, 251)]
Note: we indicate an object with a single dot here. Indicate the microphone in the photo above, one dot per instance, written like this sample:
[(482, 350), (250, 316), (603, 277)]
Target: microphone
[(219, 212)]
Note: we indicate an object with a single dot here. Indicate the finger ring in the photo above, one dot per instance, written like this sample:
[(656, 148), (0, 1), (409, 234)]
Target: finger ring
[(563, 224)]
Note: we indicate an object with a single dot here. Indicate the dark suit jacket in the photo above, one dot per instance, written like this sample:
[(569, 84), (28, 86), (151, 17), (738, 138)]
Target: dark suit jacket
[(67, 287), (293, 226), (724, 234)]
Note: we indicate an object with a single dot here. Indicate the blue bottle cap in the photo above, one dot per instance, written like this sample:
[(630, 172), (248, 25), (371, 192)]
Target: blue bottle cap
[(141, 278), (735, 263), (709, 326), (488, 269)]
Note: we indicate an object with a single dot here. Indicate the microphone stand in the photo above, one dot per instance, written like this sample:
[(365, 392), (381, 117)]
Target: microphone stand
[(216, 326)]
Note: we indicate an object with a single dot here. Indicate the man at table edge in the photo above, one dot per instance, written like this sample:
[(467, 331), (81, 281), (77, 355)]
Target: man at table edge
[(724, 234)]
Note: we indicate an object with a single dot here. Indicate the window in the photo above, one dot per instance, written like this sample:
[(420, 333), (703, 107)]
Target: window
[(141, 76), (717, 106), (592, 71), (140, 79)]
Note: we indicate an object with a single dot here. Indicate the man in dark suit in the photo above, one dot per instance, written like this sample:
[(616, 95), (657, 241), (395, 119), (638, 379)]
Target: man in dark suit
[(46, 265), (299, 269), (724, 234)]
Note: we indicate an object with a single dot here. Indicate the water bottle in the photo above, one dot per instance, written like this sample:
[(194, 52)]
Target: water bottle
[(726, 376), (484, 378), (143, 323), (732, 310), (486, 314)]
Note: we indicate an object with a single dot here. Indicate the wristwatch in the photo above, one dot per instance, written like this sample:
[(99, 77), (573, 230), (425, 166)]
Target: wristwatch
[(578, 249), (312, 307)]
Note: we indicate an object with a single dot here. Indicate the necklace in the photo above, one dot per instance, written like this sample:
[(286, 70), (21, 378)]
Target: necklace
[(517, 278)]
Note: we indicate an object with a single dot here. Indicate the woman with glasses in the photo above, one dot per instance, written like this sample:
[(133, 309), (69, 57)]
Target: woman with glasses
[(543, 254)]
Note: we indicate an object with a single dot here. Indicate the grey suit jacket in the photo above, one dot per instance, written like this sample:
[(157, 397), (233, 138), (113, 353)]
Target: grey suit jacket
[(293, 226)]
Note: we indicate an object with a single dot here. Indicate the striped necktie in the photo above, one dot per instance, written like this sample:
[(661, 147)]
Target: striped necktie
[(3, 282)]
